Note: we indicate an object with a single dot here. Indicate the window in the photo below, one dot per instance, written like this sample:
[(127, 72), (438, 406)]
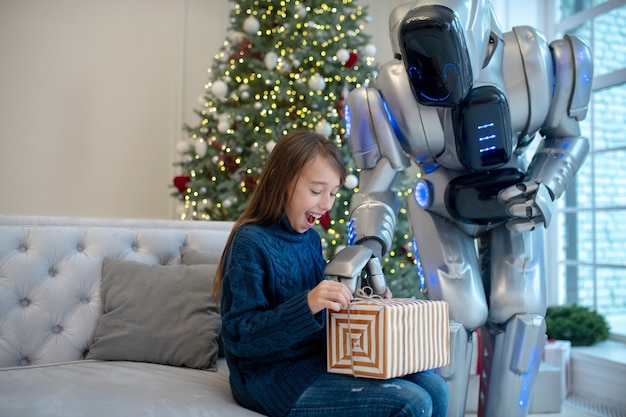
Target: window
[(589, 227)]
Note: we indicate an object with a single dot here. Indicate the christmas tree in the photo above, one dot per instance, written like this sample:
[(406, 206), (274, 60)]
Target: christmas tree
[(285, 64)]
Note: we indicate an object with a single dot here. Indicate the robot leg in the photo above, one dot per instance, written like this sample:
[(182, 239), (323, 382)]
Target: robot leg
[(514, 337), (510, 362), (450, 272), (456, 372)]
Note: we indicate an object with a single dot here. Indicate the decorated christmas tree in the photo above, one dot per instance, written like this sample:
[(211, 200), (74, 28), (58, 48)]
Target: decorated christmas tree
[(285, 64)]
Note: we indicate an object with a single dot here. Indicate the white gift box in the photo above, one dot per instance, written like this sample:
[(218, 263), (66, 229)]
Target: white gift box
[(552, 384), (558, 353), (547, 395), (545, 398)]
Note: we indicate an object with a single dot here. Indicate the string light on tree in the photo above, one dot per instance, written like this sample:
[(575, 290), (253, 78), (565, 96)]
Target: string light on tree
[(284, 64)]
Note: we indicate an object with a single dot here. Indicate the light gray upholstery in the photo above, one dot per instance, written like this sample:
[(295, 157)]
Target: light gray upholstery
[(50, 271)]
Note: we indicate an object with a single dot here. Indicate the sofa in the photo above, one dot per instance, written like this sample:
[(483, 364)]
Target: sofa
[(111, 317)]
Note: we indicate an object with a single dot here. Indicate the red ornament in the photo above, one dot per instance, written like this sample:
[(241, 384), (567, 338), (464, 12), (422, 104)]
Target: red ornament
[(242, 50), (352, 60), (325, 220), (230, 162), (250, 181), (181, 183)]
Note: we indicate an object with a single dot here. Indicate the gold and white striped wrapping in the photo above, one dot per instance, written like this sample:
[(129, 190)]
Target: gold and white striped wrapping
[(388, 338)]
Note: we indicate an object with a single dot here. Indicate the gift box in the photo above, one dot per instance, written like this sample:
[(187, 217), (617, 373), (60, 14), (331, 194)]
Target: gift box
[(545, 397), (388, 338), (547, 394), (557, 353)]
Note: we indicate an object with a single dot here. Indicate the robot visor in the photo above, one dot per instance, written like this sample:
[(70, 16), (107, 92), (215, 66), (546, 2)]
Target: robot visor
[(435, 56)]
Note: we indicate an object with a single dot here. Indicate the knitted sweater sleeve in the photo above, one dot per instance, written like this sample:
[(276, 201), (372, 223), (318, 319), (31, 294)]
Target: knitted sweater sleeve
[(260, 318)]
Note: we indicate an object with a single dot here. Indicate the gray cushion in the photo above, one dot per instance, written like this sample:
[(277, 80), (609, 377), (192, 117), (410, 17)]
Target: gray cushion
[(158, 314), (117, 389), (190, 256)]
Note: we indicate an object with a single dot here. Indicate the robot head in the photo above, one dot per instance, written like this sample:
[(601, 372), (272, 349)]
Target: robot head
[(443, 45)]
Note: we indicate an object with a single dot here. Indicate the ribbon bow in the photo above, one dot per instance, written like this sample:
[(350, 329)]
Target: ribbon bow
[(366, 293)]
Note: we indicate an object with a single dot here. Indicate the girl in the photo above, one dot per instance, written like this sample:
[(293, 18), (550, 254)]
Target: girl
[(273, 295)]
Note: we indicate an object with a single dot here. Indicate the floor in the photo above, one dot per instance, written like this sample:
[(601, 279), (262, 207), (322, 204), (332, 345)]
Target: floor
[(575, 407)]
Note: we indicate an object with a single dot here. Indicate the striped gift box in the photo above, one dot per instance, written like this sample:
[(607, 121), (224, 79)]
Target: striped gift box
[(388, 338)]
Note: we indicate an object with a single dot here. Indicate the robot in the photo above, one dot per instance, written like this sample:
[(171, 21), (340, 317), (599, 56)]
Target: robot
[(492, 121)]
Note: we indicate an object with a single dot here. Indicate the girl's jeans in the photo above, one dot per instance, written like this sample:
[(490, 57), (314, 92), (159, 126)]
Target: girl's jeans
[(422, 394)]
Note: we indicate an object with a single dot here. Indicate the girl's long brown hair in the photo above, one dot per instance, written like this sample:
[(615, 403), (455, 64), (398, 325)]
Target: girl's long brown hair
[(280, 173)]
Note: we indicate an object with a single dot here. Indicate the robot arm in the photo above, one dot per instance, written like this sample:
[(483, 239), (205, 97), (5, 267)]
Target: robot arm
[(373, 209), (563, 150)]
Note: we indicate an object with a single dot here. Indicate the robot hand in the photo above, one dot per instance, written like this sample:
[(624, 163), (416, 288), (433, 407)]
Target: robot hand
[(348, 264), (529, 203)]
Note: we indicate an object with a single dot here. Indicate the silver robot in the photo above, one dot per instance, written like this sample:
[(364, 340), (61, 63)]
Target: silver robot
[(492, 121)]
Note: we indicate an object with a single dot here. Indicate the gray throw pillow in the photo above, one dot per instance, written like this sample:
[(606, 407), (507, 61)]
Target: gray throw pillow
[(190, 256), (157, 313)]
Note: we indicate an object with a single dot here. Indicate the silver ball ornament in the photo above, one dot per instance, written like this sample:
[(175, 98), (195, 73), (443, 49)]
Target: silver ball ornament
[(201, 148), (316, 82), (219, 89), (251, 25), (351, 181)]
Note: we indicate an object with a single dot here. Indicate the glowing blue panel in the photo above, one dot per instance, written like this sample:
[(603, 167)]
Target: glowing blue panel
[(423, 193), (348, 119)]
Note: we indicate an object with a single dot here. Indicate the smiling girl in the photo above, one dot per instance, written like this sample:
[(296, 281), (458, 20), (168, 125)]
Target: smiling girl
[(273, 294)]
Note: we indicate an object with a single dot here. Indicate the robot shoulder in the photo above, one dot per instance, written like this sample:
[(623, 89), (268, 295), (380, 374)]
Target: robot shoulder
[(371, 130), (573, 74), (527, 70), (548, 85)]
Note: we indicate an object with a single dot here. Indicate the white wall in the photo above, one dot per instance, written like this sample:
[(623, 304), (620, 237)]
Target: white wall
[(93, 96)]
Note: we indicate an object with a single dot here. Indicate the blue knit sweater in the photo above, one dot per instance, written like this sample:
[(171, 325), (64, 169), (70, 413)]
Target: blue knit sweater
[(274, 345)]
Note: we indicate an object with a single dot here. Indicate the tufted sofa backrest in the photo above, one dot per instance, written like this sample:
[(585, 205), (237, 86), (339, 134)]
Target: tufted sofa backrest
[(50, 270)]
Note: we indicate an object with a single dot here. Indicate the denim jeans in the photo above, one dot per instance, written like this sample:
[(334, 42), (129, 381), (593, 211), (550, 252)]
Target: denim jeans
[(422, 394)]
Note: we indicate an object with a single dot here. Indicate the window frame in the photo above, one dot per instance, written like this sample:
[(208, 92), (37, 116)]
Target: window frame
[(553, 233)]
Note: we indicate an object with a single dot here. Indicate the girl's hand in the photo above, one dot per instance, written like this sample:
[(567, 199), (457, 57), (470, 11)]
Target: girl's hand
[(329, 294)]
